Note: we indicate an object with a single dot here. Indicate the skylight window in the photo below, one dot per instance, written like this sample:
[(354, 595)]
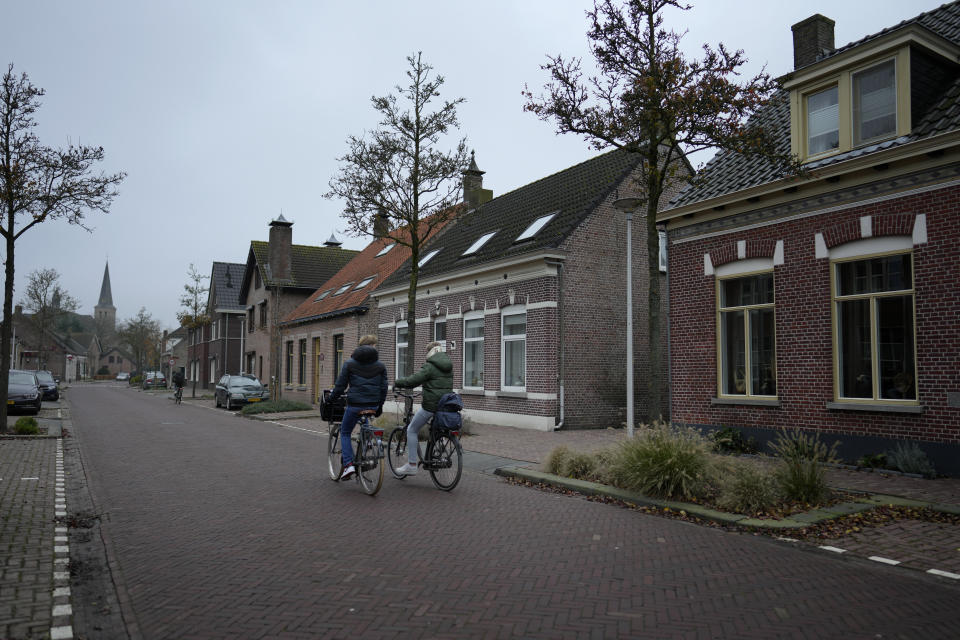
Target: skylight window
[(534, 228), (425, 259), (386, 249), (323, 295), (482, 240), (364, 282), (343, 289)]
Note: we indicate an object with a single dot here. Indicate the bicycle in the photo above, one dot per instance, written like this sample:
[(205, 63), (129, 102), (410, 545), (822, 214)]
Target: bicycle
[(368, 453), (178, 395), (444, 456)]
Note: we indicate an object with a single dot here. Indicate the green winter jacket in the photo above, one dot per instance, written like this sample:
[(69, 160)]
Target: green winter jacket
[(436, 376)]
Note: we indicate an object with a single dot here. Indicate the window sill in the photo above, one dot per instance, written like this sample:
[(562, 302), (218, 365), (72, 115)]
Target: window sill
[(755, 402), (864, 406), (511, 394), (472, 392)]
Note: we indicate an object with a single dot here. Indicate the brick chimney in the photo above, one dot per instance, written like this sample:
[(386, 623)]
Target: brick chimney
[(474, 194), (281, 249), (812, 40), (381, 224)]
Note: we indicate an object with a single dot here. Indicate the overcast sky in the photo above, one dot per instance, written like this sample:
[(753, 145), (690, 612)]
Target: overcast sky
[(226, 114)]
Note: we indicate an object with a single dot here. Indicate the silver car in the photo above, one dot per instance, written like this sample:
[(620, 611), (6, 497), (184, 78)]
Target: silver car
[(234, 391)]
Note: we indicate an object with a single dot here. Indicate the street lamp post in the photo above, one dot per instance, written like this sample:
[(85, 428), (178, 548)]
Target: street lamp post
[(627, 205)]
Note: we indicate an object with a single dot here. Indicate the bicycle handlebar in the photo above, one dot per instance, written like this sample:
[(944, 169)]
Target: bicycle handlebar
[(406, 394)]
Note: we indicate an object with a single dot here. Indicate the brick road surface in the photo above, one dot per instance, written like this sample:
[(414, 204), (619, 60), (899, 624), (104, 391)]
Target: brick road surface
[(226, 528)]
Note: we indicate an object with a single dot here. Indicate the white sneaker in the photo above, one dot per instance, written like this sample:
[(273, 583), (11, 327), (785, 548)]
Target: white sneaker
[(407, 470), (348, 472)]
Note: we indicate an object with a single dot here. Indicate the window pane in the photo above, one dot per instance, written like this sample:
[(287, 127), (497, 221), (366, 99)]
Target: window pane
[(401, 334), (763, 372), (733, 353), (515, 325), (856, 368), (739, 292), (895, 339), (402, 361), (823, 121), (875, 103), (440, 331), (473, 328), (876, 275), (473, 364), (514, 363)]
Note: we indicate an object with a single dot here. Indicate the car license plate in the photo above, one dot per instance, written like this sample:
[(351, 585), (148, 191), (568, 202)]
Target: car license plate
[(253, 399)]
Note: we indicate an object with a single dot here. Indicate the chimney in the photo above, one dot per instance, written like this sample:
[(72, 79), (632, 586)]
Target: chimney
[(474, 194), (332, 242), (812, 40), (281, 249), (381, 224)]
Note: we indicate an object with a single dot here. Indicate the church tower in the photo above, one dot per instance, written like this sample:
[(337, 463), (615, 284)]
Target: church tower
[(105, 313)]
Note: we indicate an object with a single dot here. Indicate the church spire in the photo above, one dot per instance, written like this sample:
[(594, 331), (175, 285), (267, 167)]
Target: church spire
[(106, 298), (105, 313)]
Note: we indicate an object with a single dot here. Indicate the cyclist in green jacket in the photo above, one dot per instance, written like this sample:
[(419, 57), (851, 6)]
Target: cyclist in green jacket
[(436, 376)]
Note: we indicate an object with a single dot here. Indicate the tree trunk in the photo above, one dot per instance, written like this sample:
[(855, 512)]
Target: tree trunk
[(7, 330), (411, 320)]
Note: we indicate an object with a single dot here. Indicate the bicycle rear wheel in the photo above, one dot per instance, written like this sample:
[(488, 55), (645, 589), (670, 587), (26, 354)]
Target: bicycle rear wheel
[(369, 464), (334, 459), (397, 451), (446, 463)]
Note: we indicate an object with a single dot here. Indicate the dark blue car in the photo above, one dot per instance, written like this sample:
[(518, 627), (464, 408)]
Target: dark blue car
[(23, 392)]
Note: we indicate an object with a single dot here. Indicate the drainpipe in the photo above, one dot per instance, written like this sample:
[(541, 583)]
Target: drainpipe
[(667, 314), (560, 360)]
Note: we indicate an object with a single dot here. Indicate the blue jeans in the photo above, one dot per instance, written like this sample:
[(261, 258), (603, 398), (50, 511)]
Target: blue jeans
[(350, 417), (413, 433)]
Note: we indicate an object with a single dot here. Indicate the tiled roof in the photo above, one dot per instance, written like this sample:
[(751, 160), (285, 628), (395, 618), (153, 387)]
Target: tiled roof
[(572, 194), (225, 284), (729, 172), (368, 263), (310, 267)]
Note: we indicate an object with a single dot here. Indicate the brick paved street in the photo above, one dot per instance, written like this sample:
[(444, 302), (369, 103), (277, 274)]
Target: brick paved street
[(224, 527)]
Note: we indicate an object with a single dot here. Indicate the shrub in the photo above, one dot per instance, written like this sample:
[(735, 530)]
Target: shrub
[(745, 488), (873, 461), (556, 460), (26, 426), (910, 458), (580, 466), (136, 380), (103, 371), (731, 440), (275, 406), (800, 475), (662, 461)]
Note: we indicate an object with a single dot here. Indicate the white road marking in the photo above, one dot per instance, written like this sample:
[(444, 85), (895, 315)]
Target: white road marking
[(834, 549), (945, 574), (884, 560)]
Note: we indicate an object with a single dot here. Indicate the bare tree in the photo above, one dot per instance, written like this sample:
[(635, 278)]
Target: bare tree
[(38, 183), (649, 99), (194, 302), (399, 172), (47, 303), (142, 336)]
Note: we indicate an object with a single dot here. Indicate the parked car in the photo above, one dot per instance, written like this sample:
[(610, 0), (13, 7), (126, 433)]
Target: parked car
[(154, 380), (123, 376), (23, 391), (48, 385), (233, 391)]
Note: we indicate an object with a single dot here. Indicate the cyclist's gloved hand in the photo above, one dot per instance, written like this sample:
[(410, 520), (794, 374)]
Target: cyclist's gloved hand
[(379, 411)]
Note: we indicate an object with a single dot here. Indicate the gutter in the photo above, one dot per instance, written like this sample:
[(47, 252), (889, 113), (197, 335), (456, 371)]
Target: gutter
[(325, 316)]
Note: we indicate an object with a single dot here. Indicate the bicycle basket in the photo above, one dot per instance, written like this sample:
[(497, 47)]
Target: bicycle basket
[(331, 411)]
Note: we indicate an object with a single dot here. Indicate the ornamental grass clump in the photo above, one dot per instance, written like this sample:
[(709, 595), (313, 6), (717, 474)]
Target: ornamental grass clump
[(663, 461), (26, 426), (745, 488), (801, 474), (557, 460), (275, 406), (910, 458)]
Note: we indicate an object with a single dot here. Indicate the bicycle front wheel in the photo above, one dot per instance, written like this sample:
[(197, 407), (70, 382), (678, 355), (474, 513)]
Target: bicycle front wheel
[(370, 465), (397, 451), (446, 463), (334, 459)]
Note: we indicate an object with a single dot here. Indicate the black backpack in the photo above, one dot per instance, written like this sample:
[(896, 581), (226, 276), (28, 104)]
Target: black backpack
[(447, 416)]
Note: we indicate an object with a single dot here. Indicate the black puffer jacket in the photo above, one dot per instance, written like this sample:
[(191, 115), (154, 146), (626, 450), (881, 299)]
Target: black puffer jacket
[(366, 377)]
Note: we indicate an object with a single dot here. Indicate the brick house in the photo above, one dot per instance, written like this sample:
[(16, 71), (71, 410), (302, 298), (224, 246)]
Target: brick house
[(528, 290), (217, 348), (277, 278), (320, 334), (830, 302)]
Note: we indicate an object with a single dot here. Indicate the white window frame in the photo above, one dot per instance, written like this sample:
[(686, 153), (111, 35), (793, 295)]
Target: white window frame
[(343, 289), (478, 243), (436, 323), (745, 269), (536, 226), (385, 250), (473, 315), (504, 339), (662, 242), (400, 325), (364, 282), (213, 369)]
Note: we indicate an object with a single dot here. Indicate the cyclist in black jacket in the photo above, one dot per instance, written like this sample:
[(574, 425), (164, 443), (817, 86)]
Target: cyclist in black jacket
[(364, 378)]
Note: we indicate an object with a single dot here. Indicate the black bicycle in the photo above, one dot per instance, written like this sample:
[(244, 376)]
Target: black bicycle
[(178, 395), (368, 453), (443, 457)]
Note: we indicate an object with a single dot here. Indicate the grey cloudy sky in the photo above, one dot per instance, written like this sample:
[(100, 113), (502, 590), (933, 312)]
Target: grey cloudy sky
[(227, 113)]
